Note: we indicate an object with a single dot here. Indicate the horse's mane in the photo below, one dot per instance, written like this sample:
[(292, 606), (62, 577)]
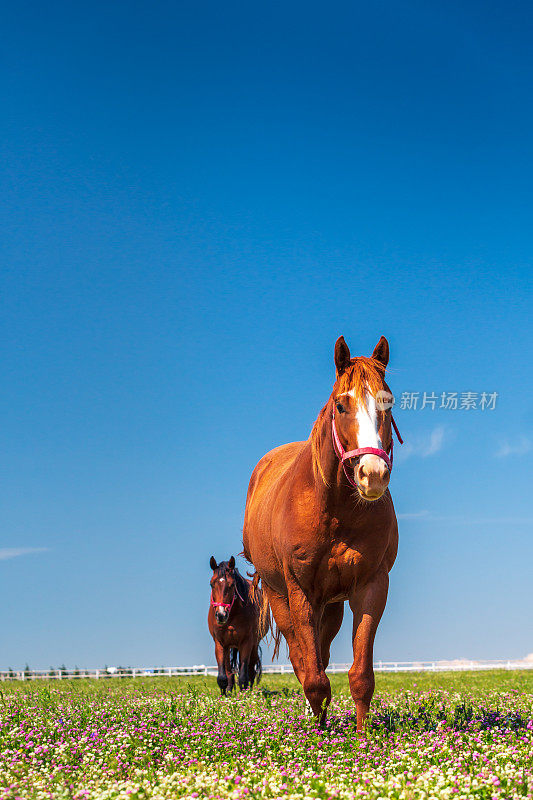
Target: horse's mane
[(242, 584), (363, 374), (243, 587)]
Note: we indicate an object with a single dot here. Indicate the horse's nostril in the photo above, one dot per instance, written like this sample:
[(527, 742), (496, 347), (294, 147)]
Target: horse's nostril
[(361, 474), (384, 475)]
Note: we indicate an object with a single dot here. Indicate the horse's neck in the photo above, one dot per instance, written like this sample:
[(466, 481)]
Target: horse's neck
[(335, 489)]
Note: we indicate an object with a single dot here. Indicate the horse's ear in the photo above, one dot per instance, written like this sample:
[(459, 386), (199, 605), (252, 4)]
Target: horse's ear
[(342, 355), (381, 352), (231, 563), (213, 563)]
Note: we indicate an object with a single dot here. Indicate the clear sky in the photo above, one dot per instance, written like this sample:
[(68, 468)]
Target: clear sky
[(198, 198)]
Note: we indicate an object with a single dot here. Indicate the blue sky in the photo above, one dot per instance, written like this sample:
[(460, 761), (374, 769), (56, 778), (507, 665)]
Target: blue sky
[(198, 198)]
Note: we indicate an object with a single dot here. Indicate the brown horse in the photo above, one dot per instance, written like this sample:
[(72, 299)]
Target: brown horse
[(316, 542), (233, 622)]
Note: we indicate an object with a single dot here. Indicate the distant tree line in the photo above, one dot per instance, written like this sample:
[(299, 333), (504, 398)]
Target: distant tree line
[(106, 672)]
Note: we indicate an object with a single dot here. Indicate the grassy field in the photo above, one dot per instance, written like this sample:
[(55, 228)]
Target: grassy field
[(452, 735)]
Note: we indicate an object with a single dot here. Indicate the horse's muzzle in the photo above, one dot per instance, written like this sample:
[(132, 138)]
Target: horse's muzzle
[(372, 476), (221, 616)]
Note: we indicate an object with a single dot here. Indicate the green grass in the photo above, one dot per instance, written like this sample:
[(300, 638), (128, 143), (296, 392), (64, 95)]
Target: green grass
[(451, 735), (468, 681)]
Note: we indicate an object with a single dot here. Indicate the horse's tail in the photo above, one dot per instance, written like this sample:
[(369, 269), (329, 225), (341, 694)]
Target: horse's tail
[(233, 659), (260, 600), (266, 621), (276, 638)]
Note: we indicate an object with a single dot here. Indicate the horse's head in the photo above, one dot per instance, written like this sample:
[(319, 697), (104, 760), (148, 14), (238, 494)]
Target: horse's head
[(223, 588), (362, 416)]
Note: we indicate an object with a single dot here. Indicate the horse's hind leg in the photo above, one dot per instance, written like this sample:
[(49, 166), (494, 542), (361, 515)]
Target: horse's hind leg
[(245, 654), (254, 667), (329, 627), (244, 674), (282, 616)]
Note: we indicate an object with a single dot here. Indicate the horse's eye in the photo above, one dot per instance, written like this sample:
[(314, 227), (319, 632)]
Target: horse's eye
[(340, 408)]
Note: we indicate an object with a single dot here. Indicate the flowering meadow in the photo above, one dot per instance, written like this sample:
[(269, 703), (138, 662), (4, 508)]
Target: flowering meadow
[(429, 736)]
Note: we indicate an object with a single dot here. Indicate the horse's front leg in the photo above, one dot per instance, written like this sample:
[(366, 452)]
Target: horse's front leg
[(222, 678), (229, 671), (282, 615), (316, 684), (367, 605)]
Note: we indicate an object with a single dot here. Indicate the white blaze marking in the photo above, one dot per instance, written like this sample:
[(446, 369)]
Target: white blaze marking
[(367, 422)]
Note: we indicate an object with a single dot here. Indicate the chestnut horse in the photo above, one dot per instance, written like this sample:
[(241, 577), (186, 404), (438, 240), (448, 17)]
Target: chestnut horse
[(320, 528), (233, 621)]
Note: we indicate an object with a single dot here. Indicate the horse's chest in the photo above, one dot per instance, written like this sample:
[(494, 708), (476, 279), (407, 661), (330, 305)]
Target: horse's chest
[(346, 566), (342, 570), (231, 637), (331, 572)]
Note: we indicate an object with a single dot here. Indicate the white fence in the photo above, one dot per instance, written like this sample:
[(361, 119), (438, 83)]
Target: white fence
[(458, 665)]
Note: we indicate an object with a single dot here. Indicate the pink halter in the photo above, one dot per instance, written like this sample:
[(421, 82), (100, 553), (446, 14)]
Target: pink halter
[(344, 455), (229, 606)]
